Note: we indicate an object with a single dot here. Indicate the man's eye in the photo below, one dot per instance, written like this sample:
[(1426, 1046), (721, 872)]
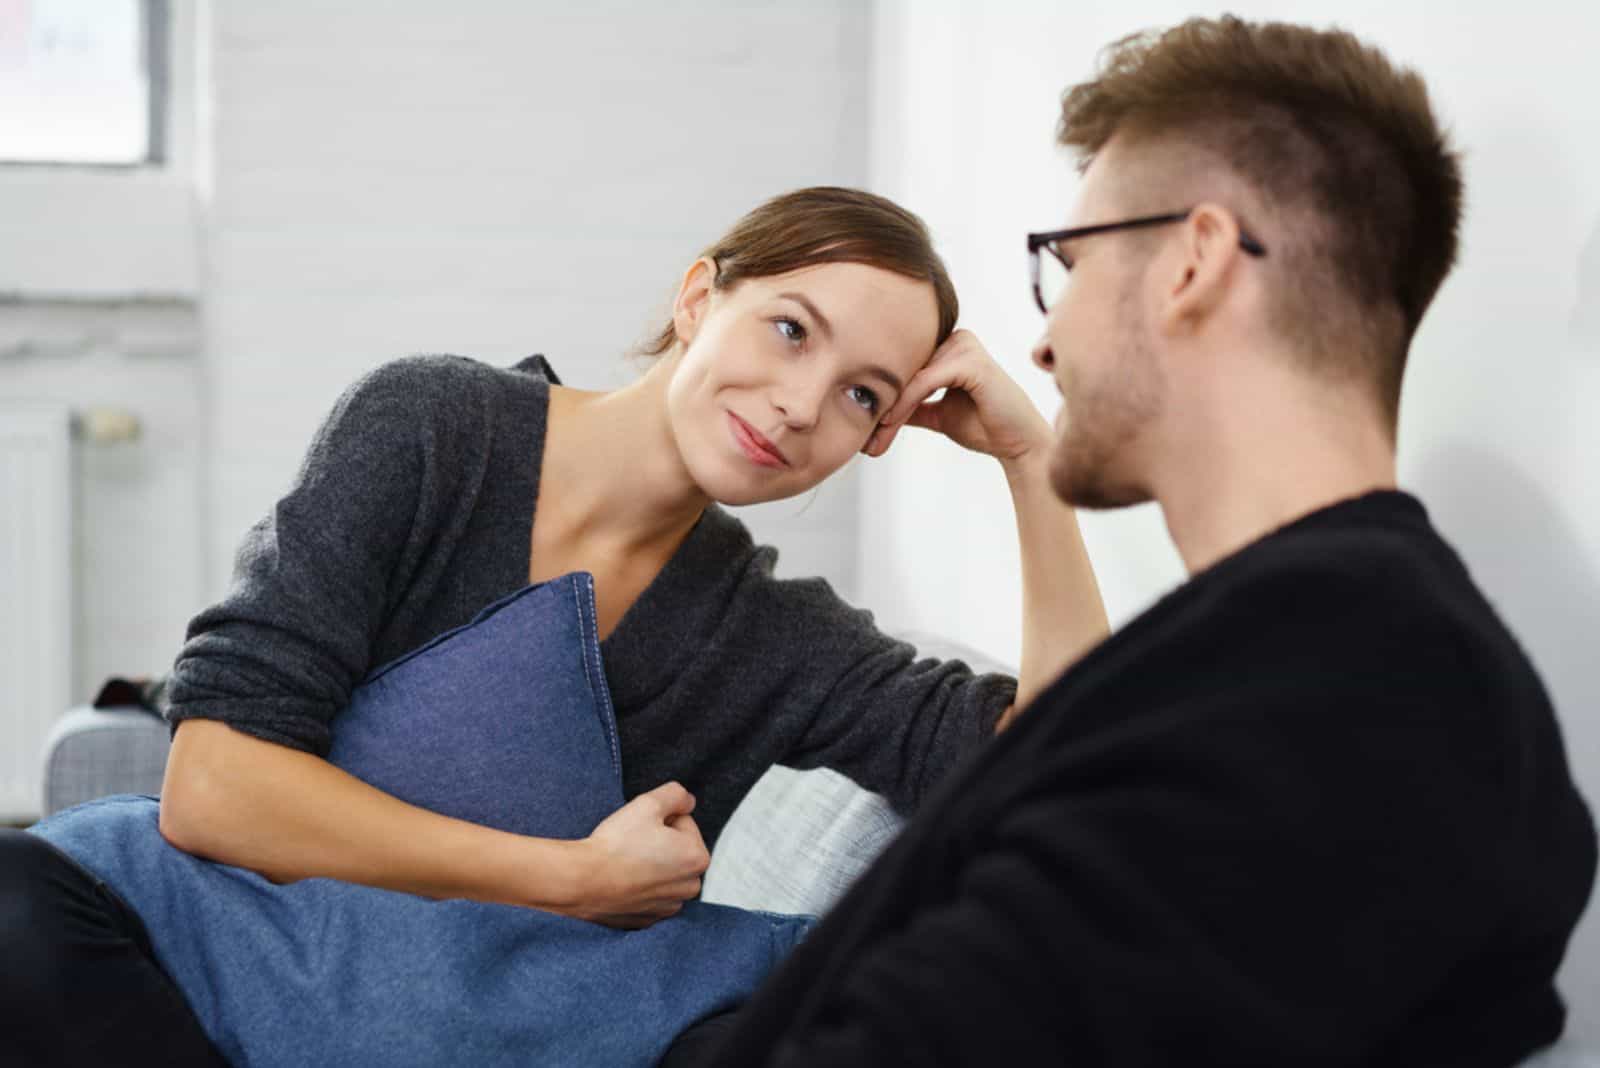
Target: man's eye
[(792, 329), (866, 398)]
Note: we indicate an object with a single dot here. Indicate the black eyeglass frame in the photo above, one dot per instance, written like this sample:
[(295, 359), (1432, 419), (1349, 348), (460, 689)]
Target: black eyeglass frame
[(1048, 239)]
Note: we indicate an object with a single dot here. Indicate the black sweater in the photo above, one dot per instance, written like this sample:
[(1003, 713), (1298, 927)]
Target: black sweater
[(414, 509), (1311, 809)]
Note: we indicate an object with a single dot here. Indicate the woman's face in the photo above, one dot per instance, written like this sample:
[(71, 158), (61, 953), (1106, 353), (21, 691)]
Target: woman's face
[(782, 379)]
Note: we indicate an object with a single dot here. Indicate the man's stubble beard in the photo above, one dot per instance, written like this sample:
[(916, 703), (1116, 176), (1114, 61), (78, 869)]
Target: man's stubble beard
[(1089, 465)]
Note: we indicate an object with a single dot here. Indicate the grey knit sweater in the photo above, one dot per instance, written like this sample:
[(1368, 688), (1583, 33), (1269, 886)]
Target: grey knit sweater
[(413, 510)]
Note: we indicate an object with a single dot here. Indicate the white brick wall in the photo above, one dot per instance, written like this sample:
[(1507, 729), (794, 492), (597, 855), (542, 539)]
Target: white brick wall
[(138, 505), (494, 179)]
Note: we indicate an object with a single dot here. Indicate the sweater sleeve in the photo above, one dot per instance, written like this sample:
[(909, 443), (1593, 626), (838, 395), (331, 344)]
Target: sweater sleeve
[(313, 581), (892, 722)]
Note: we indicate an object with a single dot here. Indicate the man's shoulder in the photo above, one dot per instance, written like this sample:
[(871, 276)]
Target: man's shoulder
[(1336, 616)]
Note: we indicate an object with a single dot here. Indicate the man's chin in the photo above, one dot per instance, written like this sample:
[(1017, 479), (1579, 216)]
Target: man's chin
[(1084, 483)]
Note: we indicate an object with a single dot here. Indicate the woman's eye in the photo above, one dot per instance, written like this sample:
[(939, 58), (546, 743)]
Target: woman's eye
[(792, 329), (864, 397)]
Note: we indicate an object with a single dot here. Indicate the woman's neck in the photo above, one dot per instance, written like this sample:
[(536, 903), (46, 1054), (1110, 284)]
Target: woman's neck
[(611, 474)]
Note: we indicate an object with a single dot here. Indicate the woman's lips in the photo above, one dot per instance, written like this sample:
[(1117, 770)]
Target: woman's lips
[(753, 445)]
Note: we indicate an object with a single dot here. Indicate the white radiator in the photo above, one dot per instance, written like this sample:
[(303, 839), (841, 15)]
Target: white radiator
[(36, 597)]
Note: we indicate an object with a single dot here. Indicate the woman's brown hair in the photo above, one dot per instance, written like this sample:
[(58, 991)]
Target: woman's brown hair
[(1338, 144), (826, 224)]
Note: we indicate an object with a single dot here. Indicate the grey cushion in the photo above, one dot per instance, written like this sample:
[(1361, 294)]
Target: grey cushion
[(797, 841), (92, 752), (1564, 1054), (800, 838)]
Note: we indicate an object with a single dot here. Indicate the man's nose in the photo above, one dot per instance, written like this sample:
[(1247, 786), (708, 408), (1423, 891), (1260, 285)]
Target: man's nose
[(1043, 357)]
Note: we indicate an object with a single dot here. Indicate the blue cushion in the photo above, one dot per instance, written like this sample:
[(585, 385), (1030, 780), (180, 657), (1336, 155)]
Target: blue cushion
[(528, 747), (505, 721)]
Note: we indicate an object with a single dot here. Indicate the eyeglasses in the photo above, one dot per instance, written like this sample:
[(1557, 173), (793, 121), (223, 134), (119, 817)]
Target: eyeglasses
[(1048, 283)]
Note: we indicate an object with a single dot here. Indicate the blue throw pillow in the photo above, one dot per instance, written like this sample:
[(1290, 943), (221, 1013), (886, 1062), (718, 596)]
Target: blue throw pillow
[(506, 721)]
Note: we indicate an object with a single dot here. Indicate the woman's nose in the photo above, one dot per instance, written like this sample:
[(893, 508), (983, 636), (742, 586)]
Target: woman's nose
[(797, 412), (799, 401)]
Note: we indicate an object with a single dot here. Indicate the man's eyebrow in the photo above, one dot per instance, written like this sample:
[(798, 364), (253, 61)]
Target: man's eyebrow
[(805, 302)]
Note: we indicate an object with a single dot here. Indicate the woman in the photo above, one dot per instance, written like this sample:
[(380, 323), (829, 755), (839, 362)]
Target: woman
[(816, 328)]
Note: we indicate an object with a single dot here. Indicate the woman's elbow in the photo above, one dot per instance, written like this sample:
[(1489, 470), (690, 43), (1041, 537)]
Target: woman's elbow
[(190, 803)]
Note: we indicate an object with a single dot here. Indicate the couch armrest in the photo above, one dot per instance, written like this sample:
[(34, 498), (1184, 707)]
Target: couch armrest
[(92, 752)]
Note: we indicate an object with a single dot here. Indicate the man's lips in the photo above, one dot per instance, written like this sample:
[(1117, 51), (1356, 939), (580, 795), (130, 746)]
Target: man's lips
[(755, 445)]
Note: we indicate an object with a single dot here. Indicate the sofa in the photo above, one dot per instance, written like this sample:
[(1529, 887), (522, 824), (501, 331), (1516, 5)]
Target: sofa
[(794, 844)]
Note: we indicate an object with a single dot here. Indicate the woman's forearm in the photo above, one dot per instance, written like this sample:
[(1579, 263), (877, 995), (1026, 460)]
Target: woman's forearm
[(1063, 616), (291, 815)]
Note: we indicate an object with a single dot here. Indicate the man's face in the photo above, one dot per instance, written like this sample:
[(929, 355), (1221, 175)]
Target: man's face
[(1101, 353)]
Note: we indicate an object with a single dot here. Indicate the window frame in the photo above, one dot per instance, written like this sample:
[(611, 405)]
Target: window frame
[(118, 232)]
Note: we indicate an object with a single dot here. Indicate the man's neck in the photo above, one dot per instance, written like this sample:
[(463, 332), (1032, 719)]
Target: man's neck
[(1265, 462)]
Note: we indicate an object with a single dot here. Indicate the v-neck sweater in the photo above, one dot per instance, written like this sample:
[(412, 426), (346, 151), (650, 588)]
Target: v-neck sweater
[(413, 510)]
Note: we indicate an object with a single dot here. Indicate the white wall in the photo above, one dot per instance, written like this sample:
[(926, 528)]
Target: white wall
[(493, 179), (1496, 435), (98, 282)]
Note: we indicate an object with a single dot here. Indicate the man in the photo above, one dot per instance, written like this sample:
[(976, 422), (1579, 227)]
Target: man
[(1312, 807)]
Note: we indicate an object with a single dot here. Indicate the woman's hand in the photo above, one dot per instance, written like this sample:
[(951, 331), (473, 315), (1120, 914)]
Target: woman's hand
[(645, 861), (983, 409)]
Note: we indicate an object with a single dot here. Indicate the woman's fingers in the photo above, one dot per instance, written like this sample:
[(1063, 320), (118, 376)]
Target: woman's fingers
[(671, 799), (949, 368), (982, 409)]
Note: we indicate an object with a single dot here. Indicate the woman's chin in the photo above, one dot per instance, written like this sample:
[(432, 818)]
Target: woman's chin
[(733, 487), (736, 496)]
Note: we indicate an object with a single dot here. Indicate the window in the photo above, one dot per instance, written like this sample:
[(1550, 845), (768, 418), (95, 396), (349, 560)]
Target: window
[(99, 172), (81, 81)]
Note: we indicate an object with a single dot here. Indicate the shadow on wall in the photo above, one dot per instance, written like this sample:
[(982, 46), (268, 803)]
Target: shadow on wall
[(1586, 315), (1524, 553)]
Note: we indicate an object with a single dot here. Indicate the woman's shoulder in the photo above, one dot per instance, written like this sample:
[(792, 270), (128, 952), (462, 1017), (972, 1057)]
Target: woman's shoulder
[(427, 393), (431, 375)]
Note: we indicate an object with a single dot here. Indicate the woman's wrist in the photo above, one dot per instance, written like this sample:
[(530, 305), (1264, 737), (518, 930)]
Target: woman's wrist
[(1030, 468), (546, 873)]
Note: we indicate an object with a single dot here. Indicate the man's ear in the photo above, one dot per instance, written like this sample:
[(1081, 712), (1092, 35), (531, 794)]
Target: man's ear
[(1195, 279), (694, 298)]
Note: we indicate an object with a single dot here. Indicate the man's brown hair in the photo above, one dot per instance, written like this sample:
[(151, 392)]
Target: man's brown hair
[(1340, 146)]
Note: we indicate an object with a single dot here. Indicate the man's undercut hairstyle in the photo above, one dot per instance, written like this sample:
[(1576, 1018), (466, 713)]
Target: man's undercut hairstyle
[(826, 224), (1340, 149)]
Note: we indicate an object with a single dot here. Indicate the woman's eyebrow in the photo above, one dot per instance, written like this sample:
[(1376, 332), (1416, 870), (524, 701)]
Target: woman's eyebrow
[(805, 302), (887, 376)]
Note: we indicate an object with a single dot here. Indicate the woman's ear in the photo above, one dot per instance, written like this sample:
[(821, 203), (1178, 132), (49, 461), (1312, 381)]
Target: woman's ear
[(694, 297)]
